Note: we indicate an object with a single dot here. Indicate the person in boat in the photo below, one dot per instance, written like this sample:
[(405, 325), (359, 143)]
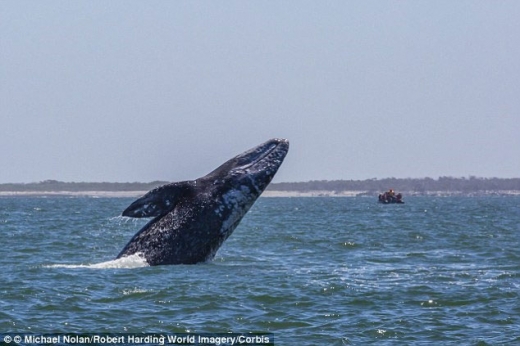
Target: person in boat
[(390, 197), (384, 197)]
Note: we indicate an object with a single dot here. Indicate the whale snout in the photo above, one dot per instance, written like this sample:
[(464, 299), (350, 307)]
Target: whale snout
[(261, 158)]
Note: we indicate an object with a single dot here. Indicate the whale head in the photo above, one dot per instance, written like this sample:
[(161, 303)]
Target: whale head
[(237, 183), (252, 170)]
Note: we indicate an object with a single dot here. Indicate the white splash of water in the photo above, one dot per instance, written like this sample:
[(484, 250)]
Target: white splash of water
[(124, 219), (128, 262), (135, 290)]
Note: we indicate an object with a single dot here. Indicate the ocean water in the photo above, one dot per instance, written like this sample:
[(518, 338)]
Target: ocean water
[(312, 271)]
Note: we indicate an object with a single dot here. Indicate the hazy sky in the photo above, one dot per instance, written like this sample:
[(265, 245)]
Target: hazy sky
[(168, 90)]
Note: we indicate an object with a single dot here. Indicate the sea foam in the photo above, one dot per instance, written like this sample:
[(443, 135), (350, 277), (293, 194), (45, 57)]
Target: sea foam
[(128, 262)]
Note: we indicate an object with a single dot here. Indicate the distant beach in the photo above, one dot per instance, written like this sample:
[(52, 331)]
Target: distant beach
[(111, 194), (268, 193), (128, 194)]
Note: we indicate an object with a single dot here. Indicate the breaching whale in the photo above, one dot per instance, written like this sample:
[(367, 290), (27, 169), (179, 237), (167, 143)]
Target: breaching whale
[(191, 219)]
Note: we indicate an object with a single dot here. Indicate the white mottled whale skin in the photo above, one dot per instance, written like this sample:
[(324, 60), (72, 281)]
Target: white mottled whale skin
[(191, 219)]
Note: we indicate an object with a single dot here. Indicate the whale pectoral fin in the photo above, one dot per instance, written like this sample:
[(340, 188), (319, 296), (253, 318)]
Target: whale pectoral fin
[(145, 207), (158, 201)]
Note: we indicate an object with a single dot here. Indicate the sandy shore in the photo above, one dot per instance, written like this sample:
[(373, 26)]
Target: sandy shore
[(116, 194), (134, 194), (369, 194), (270, 193), (73, 193), (311, 193)]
